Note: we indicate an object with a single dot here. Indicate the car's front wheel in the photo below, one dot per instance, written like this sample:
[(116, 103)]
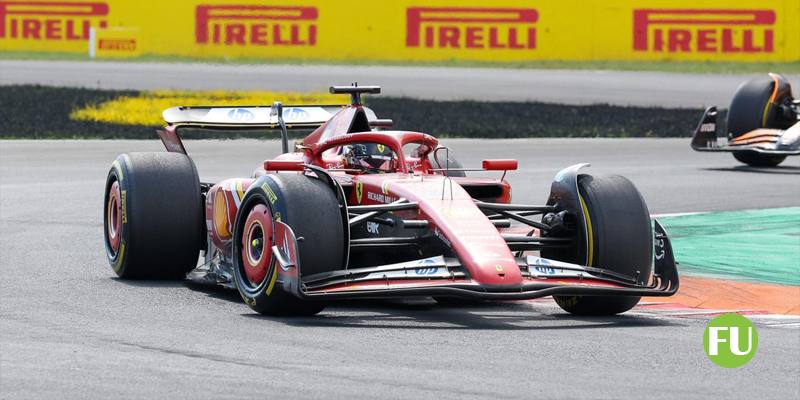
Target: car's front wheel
[(756, 105), (312, 210), (619, 237)]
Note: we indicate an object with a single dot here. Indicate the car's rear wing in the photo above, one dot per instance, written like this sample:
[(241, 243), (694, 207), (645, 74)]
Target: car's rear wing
[(238, 118), (261, 117), (264, 117)]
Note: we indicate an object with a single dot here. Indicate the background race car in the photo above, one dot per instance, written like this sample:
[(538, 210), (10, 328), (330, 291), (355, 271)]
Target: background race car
[(762, 125)]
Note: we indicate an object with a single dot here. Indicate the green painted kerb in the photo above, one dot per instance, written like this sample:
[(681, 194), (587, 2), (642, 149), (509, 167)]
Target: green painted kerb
[(755, 245)]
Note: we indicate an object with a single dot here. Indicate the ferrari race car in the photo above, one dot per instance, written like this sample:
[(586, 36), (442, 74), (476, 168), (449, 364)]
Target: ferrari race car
[(763, 124), (360, 211)]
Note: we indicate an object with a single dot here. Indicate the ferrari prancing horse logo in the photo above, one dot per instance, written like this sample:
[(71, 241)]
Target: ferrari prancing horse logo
[(359, 191)]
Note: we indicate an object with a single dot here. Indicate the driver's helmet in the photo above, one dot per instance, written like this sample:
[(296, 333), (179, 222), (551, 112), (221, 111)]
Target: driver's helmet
[(368, 156)]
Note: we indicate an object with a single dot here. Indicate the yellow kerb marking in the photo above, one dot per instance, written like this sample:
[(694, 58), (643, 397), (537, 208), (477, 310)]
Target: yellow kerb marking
[(146, 108)]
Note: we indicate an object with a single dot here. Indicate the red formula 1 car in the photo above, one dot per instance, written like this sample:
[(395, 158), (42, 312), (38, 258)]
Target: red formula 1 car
[(357, 211), (763, 125)]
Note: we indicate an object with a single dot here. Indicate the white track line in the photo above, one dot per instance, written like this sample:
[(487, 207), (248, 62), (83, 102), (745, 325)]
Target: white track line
[(677, 214)]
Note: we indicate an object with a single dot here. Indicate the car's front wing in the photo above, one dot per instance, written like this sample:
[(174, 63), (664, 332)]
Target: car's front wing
[(438, 276), (764, 141)]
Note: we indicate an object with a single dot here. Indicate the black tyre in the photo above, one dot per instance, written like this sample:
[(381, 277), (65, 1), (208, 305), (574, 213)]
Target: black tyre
[(311, 209), (621, 240), (153, 216), (753, 107)]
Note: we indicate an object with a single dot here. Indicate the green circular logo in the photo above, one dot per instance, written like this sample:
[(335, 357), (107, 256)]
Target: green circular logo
[(730, 340)]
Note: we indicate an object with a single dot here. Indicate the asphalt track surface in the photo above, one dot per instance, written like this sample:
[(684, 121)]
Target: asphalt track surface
[(658, 89), (70, 329)]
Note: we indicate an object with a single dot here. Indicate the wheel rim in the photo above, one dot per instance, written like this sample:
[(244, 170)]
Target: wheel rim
[(257, 244), (114, 218)]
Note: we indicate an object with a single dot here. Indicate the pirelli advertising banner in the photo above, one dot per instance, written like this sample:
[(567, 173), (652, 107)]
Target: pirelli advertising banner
[(411, 30)]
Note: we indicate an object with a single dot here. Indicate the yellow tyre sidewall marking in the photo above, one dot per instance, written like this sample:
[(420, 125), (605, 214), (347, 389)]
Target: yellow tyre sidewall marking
[(589, 234), (120, 256), (274, 277)]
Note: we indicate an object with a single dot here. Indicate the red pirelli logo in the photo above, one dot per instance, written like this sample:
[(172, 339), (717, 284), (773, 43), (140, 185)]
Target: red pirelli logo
[(256, 25), (712, 31), (471, 28), (48, 20)]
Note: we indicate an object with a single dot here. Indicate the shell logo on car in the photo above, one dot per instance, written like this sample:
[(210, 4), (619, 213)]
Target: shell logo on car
[(703, 30)]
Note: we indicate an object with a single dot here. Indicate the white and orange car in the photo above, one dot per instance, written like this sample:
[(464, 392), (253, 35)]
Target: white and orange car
[(763, 124)]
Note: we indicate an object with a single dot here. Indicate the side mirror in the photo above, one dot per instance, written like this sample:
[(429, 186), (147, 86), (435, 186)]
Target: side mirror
[(381, 123), (500, 165)]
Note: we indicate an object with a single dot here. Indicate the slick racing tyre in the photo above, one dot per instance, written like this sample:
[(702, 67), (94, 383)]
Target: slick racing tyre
[(620, 239), (153, 216), (753, 107), (311, 209)]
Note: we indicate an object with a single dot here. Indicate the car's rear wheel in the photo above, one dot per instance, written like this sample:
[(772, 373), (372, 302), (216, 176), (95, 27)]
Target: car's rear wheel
[(153, 216), (311, 209), (753, 107), (620, 239)]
